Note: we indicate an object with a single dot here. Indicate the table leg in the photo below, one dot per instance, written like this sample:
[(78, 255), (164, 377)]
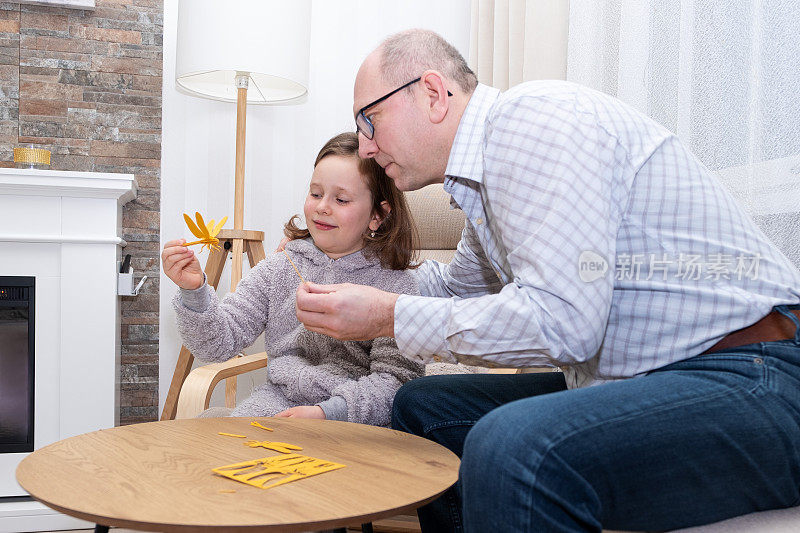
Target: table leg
[(366, 528), (100, 529)]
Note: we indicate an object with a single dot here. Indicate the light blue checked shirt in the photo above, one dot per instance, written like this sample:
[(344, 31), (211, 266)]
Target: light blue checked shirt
[(594, 241)]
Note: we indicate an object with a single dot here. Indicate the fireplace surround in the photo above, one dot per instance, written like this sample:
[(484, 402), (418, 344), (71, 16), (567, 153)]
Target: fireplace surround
[(63, 229)]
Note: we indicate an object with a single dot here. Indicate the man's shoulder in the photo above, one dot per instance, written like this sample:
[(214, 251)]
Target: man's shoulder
[(553, 90), (534, 101)]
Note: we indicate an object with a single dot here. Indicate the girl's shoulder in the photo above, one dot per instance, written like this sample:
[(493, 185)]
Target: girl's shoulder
[(299, 256), (275, 266), (397, 281), (303, 250)]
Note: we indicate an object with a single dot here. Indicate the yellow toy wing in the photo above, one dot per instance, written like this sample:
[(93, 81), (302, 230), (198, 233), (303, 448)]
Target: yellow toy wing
[(192, 227), (216, 230), (201, 225)]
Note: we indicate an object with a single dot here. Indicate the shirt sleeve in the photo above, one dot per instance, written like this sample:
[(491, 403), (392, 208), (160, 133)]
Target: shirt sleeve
[(335, 408), (467, 275), (548, 188), (198, 299)]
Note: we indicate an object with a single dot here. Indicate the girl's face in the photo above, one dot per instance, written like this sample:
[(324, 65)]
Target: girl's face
[(338, 208)]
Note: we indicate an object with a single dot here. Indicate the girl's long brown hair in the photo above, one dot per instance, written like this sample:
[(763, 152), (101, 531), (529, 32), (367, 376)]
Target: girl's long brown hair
[(394, 243)]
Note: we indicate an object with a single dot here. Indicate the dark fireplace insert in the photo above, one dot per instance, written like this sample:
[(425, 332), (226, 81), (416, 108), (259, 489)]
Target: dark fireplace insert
[(16, 363)]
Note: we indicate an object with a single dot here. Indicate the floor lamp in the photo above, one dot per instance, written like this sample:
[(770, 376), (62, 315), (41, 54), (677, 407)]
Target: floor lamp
[(248, 52)]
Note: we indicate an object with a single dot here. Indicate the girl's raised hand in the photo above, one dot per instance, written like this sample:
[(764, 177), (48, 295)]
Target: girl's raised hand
[(181, 265)]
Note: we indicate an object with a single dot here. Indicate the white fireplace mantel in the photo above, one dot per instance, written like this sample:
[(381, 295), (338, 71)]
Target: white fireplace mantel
[(56, 183), (121, 187), (64, 228)]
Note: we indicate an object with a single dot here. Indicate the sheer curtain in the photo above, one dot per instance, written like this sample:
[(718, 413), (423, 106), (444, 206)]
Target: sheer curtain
[(512, 41), (724, 75)]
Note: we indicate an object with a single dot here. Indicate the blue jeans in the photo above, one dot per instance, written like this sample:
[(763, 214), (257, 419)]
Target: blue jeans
[(697, 441)]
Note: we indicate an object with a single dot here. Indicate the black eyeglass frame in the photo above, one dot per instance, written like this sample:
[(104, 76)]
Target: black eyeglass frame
[(367, 122)]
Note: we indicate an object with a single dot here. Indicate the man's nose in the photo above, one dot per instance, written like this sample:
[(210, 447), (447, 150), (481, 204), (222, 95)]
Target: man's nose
[(367, 148)]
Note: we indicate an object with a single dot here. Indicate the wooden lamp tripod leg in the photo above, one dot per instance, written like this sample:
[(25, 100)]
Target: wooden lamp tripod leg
[(213, 270), (238, 241), (255, 253), (238, 206)]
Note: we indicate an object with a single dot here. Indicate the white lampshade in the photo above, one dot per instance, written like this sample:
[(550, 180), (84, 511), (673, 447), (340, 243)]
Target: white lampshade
[(267, 39)]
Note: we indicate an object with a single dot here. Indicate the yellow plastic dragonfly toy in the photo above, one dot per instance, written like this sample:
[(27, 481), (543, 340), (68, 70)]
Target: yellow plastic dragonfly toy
[(206, 232)]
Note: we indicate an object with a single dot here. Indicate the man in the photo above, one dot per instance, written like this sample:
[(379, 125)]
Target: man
[(597, 243)]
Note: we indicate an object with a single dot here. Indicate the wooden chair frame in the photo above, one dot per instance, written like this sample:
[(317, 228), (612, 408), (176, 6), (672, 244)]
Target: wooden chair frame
[(199, 384)]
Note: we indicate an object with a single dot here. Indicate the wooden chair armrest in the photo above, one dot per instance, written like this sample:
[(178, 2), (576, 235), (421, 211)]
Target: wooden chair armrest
[(196, 391)]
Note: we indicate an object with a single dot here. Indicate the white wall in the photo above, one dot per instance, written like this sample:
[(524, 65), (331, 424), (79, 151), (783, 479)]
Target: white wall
[(197, 158)]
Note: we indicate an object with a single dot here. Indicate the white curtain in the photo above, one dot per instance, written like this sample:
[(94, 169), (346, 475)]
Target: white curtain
[(512, 41), (724, 75)]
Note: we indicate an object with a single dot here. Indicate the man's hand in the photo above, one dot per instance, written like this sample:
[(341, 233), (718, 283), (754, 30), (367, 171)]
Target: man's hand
[(346, 311), (303, 411)]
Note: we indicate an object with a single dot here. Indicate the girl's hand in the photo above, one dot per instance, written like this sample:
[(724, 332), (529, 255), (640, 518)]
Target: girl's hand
[(181, 265), (303, 411)]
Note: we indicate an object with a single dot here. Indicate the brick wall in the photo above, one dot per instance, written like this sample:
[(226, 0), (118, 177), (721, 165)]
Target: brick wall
[(86, 85)]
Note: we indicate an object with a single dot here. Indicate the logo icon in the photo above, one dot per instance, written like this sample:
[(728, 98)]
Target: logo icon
[(591, 266)]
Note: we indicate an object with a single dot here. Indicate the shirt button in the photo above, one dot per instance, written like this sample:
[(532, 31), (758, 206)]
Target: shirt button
[(479, 221), (437, 358)]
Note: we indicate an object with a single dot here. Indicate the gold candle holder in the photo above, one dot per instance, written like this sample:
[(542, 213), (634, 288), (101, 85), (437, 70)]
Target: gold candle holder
[(32, 158)]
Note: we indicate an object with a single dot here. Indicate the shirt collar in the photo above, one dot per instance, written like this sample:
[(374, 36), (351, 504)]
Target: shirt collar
[(466, 155)]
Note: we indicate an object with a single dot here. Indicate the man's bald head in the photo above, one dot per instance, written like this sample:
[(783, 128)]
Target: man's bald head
[(405, 55), (412, 132)]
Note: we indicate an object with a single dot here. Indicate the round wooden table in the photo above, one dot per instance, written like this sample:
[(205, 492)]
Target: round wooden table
[(157, 476)]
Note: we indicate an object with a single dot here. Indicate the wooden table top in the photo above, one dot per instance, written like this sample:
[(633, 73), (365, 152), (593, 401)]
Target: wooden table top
[(157, 476)]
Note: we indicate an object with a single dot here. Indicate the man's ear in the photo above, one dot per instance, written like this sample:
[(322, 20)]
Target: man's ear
[(437, 95), (378, 218)]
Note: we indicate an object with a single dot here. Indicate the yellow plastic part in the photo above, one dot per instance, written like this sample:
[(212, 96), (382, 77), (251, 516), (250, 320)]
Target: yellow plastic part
[(281, 447), (232, 435), (292, 262), (256, 424), (284, 468), (206, 232)]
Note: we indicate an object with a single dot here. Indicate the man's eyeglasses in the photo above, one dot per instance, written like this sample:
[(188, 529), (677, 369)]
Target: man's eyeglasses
[(363, 124)]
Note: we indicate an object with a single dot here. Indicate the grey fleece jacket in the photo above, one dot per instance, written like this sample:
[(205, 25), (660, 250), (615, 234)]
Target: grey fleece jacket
[(350, 380)]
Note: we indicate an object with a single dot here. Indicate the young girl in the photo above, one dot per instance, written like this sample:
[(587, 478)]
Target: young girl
[(359, 231)]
